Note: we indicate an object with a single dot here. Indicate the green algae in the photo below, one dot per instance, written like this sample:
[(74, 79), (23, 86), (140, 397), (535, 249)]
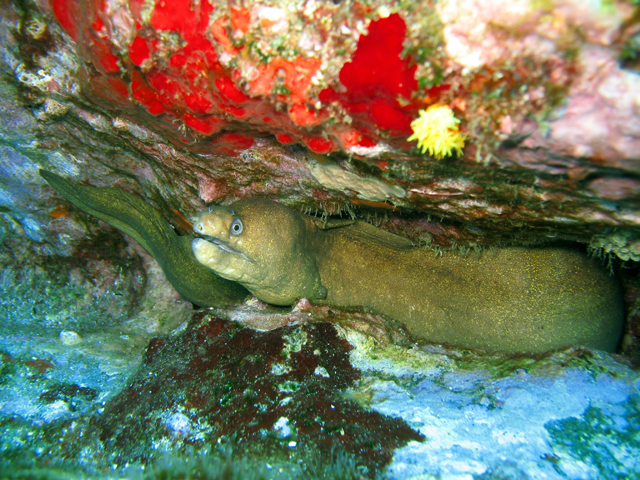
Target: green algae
[(95, 288), (597, 439), (408, 365), (294, 343), (8, 367), (391, 359)]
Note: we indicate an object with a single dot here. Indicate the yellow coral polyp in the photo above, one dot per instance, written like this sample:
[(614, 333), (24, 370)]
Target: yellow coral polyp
[(436, 130)]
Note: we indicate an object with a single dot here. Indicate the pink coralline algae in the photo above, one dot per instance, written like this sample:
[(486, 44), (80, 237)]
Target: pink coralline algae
[(191, 67)]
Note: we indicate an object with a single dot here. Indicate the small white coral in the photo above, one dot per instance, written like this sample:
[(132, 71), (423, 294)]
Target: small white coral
[(436, 130)]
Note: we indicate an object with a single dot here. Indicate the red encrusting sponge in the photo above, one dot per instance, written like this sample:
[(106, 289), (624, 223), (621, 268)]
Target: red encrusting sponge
[(191, 94)]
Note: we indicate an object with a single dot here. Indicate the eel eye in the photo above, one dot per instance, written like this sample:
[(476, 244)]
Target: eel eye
[(236, 227)]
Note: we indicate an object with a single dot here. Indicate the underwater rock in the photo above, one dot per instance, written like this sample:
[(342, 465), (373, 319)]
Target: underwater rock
[(511, 183), (356, 83), (546, 95), (312, 398), (278, 394), (569, 414)]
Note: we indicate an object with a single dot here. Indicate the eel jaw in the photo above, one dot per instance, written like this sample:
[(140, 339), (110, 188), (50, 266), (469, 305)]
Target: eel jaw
[(228, 262), (222, 245), (222, 258)]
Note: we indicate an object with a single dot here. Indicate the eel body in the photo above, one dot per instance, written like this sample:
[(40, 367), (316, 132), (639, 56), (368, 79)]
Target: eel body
[(512, 299), (132, 215)]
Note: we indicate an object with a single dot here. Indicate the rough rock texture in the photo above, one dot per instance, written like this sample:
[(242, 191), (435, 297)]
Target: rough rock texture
[(311, 103), (199, 105), (313, 400)]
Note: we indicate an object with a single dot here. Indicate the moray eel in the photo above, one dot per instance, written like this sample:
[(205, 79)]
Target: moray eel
[(513, 299), (135, 217)]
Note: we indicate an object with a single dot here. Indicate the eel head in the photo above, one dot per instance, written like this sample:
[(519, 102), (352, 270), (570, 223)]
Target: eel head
[(262, 245)]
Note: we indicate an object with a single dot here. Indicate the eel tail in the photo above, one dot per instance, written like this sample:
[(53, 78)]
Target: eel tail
[(132, 215)]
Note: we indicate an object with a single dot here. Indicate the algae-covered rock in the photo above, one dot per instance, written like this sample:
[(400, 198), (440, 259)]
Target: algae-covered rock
[(310, 104)]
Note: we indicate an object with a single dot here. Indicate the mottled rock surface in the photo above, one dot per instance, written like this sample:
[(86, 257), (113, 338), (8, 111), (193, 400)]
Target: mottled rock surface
[(311, 103)]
